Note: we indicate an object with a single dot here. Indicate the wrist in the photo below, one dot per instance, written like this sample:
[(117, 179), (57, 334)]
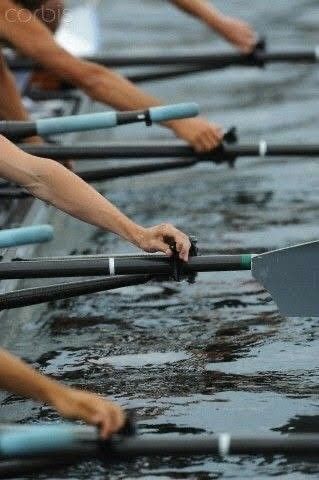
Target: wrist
[(53, 392), (137, 235)]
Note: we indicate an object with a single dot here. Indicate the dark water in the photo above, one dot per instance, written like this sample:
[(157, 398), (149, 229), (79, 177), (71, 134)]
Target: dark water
[(215, 356)]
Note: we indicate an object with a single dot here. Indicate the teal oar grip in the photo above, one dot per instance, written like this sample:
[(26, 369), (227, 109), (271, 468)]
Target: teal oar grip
[(77, 123), (25, 235), (246, 261), (174, 112), (36, 440)]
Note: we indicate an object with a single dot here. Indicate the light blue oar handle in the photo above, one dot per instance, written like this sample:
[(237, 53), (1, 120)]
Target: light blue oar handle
[(35, 440), (76, 123), (174, 112), (25, 235)]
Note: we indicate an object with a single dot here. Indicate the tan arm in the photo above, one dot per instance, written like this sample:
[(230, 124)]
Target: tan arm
[(33, 39), (11, 107), (53, 183), (19, 378), (98, 82), (239, 33)]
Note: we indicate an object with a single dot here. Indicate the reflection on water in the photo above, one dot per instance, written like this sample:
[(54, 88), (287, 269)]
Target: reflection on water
[(215, 356)]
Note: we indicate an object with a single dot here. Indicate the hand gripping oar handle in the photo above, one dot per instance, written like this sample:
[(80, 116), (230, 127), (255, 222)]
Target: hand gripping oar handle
[(38, 295), (14, 237), (95, 121)]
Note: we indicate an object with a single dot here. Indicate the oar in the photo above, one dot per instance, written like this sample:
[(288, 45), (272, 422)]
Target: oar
[(170, 149), (227, 153), (290, 274), (37, 295), (95, 121), (14, 237), (99, 175), (64, 439), (259, 57)]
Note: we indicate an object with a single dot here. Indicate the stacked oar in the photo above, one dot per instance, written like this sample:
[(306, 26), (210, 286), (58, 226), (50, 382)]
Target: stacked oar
[(32, 447), (178, 155), (290, 275), (178, 64)]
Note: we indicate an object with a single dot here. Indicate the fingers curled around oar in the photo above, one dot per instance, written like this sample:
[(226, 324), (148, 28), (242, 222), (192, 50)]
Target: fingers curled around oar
[(181, 241), (109, 420)]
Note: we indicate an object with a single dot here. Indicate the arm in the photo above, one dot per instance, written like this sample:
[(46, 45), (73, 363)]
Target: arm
[(11, 107), (17, 377), (53, 183), (100, 83), (235, 31)]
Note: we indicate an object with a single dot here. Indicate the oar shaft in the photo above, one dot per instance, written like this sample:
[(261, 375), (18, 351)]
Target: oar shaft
[(38, 295), (228, 58), (221, 445), (133, 170), (168, 149), (65, 439), (95, 121), (149, 264)]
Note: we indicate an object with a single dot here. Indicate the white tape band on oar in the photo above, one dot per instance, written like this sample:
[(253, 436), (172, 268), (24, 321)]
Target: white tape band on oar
[(224, 441), (317, 53), (263, 147), (112, 266)]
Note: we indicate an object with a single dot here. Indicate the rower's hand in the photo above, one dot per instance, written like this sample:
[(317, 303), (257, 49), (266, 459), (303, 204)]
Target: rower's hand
[(91, 408), (161, 238), (201, 134), (238, 33)]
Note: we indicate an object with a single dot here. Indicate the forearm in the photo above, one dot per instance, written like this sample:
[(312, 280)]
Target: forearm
[(11, 106), (53, 183), (17, 377), (107, 86), (202, 10)]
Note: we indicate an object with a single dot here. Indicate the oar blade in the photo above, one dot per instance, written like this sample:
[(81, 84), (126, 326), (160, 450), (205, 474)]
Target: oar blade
[(291, 275)]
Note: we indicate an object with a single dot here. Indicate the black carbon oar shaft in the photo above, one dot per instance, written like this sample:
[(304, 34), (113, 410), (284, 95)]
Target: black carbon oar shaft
[(38, 295), (110, 173), (212, 59), (217, 445), (166, 150), (127, 448), (149, 264), (48, 440), (132, 170)]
